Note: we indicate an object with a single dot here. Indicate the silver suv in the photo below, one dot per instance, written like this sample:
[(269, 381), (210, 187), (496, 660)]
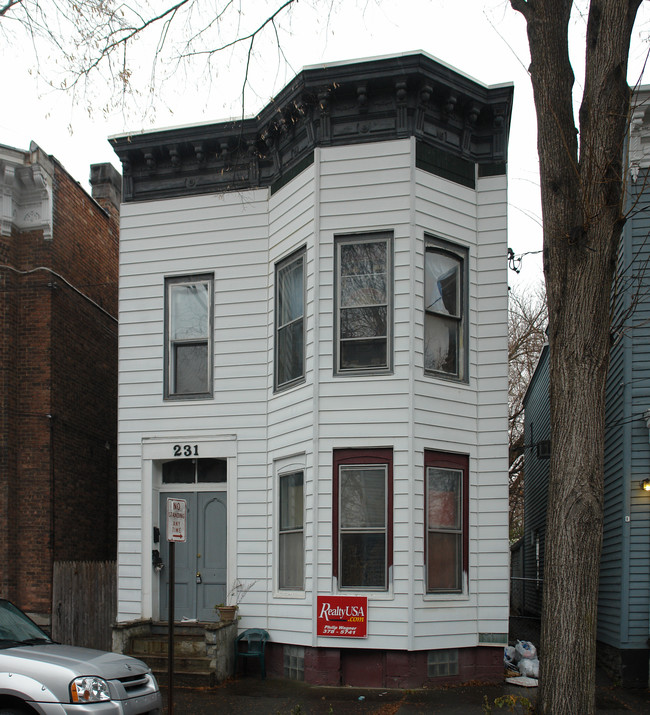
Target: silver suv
[(38, 675)]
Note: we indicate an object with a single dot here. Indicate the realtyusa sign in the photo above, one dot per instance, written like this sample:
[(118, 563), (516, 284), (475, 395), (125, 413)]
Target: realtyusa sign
[(342, 616)]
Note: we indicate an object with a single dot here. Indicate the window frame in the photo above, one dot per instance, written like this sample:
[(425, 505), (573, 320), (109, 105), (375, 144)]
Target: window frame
[(371, 457), (455, 462), (299, 255), (434, 245), (282, 532), (368, 237), (169, 344)]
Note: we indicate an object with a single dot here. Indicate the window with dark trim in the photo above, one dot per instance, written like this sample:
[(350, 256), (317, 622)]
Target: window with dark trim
[(289, 320), (446, 490), (188, 337), (364, 303), (445, 308), (291, 558), (363, 518)]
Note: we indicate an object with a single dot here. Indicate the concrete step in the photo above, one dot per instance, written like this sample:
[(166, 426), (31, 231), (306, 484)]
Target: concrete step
[(158, 645), (182, 664)]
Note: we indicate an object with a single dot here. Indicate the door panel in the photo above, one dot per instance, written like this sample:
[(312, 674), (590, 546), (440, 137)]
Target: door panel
[(212, 547), (204, 552)]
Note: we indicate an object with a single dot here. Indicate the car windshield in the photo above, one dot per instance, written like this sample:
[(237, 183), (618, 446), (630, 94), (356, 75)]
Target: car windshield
[(17, 629)]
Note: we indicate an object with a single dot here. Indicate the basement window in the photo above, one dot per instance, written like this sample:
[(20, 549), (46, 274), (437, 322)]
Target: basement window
[(441, 663), (294, 662)]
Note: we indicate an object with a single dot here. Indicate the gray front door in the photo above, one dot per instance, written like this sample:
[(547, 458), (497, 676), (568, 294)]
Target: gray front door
[(200, 576)]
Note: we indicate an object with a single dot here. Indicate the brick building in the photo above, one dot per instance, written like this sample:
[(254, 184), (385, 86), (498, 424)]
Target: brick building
[(58, 371)]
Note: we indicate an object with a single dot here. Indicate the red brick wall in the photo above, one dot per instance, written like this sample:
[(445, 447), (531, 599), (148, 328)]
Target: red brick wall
[(58, 377)]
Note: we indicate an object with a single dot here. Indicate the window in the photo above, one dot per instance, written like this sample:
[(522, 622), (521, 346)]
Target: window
[(291, 533), (363, 303), (289, 321), (294, 662), (188, 337), (195, 471), (441, 663), (445, 326), (363, 504), (446, 478)]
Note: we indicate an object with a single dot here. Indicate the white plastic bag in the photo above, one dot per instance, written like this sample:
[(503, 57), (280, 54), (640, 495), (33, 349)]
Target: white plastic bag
[(524, 649), (509, 656), (529, 667)]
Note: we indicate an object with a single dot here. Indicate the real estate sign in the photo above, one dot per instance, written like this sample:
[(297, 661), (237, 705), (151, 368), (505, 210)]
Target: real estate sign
[(342, 616)]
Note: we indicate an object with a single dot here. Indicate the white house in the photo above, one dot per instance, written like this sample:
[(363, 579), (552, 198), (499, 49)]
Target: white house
[(313, 352)]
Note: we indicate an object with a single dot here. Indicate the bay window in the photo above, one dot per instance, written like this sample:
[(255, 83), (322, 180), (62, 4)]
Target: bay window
[(363, 482), (446, 483), (289, 321), (291, 558), (363, 316), (445, 307)]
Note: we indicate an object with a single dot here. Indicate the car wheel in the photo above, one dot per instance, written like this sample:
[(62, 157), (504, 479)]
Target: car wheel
[(13, 711)]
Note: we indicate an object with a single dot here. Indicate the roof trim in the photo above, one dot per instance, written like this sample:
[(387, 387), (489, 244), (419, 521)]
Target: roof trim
[(324, 105)]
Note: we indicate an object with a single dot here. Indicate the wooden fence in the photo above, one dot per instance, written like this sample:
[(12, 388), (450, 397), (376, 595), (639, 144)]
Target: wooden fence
[(84, 603)]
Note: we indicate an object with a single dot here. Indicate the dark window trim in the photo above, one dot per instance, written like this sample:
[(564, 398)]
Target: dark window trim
[(448, 460), (299, 253), (362, 457), (167, 373), (387, 236), (440, 245)]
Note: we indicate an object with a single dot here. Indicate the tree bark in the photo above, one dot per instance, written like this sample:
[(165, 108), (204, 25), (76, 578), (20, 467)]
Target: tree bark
[(581, 189)]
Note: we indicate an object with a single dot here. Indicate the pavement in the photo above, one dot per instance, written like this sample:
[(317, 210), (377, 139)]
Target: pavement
[(253, 696)]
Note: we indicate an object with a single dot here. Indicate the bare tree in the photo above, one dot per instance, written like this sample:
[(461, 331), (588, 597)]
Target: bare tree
[(582, 193), (527, 321), (101, 40)]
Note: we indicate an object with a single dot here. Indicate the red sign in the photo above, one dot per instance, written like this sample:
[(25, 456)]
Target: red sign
[(342, 616)]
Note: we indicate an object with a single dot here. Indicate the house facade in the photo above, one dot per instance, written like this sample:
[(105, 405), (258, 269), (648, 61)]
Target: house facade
[(624, 591), (313, 349), (58, 372)]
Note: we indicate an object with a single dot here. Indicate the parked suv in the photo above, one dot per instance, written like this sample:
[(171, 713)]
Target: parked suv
[(40, 676)]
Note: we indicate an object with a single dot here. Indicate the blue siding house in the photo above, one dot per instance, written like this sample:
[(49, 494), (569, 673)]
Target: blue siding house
[(624, 596)]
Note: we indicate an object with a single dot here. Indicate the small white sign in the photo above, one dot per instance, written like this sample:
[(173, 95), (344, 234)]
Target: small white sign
[(176, 519)]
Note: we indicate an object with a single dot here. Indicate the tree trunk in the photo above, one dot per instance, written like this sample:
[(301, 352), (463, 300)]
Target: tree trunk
[(582, 213)]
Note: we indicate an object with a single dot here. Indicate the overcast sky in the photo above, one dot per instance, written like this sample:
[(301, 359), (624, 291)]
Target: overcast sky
[(486, 40)]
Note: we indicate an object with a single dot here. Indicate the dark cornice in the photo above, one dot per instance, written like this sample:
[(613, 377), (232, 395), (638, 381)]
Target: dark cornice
[(457, 122)]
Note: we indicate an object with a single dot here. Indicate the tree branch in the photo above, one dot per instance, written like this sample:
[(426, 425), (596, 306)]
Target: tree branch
[(5, 9)]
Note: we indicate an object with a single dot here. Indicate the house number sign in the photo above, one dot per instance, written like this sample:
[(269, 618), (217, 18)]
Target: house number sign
[(186, 450)]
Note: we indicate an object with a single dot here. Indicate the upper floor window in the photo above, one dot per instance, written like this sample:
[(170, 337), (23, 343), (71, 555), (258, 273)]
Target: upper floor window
[(291, 557), (364, 300), (363, 493), (289, 320), (445, 307), (188, 336), (446, 477)]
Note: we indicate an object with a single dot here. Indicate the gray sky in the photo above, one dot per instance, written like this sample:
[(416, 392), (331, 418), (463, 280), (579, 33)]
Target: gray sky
[(486, 40)]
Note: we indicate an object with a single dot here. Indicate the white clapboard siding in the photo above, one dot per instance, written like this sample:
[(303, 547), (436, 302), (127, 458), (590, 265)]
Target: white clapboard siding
[(240, 237)]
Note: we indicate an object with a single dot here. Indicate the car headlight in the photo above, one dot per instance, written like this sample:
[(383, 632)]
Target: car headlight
[(89, 689)]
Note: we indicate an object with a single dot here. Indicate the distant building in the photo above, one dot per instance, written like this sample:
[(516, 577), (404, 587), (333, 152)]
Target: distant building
[(58, 371), (313, 354), (624, 595)]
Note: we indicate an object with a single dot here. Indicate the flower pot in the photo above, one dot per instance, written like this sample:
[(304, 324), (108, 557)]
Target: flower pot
[(227, 613)]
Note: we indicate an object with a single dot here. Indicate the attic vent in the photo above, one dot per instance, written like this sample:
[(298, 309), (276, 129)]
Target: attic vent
[(544, 449)]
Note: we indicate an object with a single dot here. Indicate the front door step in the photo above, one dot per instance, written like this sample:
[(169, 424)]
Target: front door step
[(202, 652)]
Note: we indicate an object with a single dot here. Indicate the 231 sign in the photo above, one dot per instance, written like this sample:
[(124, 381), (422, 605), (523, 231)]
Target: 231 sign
[(186, 450)]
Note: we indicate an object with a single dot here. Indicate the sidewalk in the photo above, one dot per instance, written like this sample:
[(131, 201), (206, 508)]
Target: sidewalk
[(252, 696)]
